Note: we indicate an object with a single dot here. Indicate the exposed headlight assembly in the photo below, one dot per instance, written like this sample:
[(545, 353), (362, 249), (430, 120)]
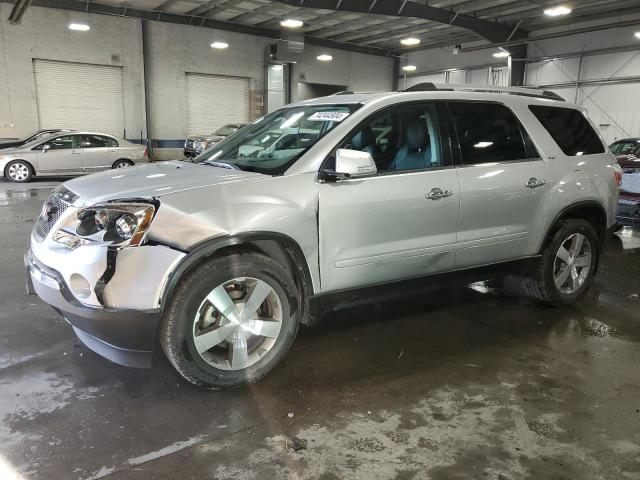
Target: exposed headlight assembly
[(113, 224)]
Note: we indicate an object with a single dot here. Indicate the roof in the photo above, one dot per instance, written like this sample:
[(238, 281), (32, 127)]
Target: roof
[(468, 92)]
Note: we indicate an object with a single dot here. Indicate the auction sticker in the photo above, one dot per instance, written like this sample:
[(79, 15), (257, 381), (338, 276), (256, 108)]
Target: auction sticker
[(328, 116)]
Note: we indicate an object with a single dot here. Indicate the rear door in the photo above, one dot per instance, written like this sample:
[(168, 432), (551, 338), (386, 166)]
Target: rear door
[(504, 190), (99, 152), (63, 156), (401, 222)]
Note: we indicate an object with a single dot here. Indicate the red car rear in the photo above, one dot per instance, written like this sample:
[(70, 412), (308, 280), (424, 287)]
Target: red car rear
[(627, 152)]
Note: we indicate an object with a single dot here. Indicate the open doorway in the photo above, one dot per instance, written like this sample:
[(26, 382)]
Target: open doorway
[(308, 90)]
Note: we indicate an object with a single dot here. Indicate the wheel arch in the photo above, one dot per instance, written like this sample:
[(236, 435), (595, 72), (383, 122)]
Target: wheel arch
[(591, 211), (277, 246), (6, 165)]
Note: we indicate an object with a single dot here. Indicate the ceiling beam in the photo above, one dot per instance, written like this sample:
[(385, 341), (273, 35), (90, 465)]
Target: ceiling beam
[(492, 31), (15, 17)]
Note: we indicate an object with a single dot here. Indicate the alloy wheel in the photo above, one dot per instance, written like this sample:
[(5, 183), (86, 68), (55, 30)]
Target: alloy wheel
[(18, 172), (237, 324), (572, 264)]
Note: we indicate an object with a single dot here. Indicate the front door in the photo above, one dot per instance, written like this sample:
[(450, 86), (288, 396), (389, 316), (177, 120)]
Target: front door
[(61, 155), (401, 222), (504, 199)]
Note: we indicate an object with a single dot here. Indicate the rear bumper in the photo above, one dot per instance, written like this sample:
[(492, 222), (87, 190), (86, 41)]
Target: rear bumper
[(124, 336)]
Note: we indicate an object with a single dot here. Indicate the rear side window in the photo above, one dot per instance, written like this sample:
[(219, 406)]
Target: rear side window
[(570, 129), (489, 132)]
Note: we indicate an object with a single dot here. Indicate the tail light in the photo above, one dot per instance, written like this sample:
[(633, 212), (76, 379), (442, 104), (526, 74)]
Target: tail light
[(617, 173), (146, 152)]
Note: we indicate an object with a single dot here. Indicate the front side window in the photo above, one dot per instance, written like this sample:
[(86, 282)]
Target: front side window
[(489, 132), (273, 143), (570, 129), (405, 137), (65, 142)]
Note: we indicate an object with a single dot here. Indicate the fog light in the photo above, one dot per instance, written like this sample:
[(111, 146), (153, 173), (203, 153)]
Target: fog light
[(79, 286)]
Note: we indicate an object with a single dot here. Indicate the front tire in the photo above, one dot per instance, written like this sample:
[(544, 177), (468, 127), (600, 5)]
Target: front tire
[(568, 265), (230, 321), (18, 171)]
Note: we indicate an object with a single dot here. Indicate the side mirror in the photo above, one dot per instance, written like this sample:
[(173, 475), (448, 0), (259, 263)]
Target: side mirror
[(46, 147), (351, 164)]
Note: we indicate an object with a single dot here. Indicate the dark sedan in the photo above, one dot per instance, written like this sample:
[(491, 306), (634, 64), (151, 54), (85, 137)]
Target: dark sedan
[(627, 151), (30, 138)]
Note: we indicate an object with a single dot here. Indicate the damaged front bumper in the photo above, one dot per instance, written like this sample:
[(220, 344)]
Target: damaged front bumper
[(120, 323)]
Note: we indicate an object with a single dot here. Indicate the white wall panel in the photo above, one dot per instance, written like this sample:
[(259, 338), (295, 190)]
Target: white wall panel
[(546, 72), (621, 64), (479, 76), (615, 109)]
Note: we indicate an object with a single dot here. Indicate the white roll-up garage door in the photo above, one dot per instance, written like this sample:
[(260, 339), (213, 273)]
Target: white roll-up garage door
[(215, 100), (79, 96)]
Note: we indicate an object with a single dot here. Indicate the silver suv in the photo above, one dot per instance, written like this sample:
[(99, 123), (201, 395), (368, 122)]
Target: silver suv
[(221, 260)]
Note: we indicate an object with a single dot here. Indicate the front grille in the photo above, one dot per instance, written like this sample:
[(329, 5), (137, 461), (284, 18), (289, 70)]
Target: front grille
[(53, 210)]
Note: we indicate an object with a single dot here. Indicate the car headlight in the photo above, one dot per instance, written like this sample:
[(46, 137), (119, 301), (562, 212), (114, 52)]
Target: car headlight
[(113, 224)]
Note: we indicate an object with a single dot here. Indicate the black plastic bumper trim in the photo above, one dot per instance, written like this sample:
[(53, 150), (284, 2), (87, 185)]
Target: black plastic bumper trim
[(123, 336)]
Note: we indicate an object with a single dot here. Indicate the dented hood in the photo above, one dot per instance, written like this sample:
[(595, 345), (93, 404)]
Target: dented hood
[(151, 180)]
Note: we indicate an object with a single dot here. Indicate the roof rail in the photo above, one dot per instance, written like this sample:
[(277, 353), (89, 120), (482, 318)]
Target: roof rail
[(524, 91)]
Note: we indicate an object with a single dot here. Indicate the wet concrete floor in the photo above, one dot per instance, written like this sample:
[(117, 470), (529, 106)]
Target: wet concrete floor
[(456, 384)]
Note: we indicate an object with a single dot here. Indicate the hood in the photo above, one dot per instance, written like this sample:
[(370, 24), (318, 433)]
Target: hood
[(151, 180)]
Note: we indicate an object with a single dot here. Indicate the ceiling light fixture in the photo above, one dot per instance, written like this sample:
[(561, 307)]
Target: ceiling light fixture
[(291, 23), (81, 27), (410, 42), (220, 45), (324, 57), (502, 54), (637, 34), (557, 11), (409, 68)]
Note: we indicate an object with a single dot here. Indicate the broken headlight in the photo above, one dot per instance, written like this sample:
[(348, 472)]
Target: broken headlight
[(118, 224)]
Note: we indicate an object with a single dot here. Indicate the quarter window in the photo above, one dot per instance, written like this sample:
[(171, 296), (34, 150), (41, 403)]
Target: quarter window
[(570, 129), (489, 132)]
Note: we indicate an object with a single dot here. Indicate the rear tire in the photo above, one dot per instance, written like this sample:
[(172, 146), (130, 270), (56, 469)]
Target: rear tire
[(567, 267), (18, 171), (122, 164), (208, 337)]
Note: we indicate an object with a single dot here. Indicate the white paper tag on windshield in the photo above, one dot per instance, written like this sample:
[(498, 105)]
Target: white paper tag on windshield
[(328, 116)]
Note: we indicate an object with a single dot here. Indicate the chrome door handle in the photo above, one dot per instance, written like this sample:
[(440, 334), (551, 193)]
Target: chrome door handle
[(438, 193), (535, 183)]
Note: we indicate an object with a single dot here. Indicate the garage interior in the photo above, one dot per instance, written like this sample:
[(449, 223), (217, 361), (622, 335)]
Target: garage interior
[(460, 383)]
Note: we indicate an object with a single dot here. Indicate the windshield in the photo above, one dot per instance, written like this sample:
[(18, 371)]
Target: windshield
[(274, 142), (226, 130)]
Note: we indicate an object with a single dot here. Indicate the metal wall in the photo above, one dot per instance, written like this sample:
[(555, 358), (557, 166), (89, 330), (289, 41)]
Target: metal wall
[(599, 71)]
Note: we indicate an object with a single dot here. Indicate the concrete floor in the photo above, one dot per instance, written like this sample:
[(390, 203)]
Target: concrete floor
[(452, 385)]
